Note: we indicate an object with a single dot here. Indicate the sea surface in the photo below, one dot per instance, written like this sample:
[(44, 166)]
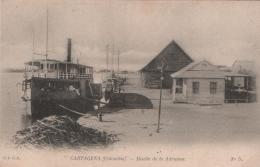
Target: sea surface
[(15, 114)]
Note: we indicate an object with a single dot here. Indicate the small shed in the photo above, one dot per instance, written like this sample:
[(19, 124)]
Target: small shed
[(199, 83), (173, 58)]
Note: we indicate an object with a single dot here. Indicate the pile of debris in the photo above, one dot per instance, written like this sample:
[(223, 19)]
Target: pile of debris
[(61, 131)]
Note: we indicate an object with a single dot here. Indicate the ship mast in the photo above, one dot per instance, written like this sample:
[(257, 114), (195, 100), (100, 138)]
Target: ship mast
[(46, 52), (113, 53), (33, 55), (118, 53), (107, 58)]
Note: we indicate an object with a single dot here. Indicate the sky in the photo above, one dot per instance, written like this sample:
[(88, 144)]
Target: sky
[(220, 32)]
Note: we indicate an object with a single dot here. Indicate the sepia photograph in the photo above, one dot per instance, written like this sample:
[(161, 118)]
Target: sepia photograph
[(129, 83)]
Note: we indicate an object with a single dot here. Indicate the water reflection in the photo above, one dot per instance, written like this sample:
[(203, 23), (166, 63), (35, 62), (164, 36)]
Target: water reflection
[(15, 114)]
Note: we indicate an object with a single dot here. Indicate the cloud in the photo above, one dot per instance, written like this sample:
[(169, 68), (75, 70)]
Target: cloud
[(14, 56), (219, 31), (135, 60)]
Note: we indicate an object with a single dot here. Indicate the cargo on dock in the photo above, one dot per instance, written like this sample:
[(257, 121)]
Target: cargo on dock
[(60, 131)]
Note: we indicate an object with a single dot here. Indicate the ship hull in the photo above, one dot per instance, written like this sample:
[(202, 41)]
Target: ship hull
[(44, 108), (59, 97)]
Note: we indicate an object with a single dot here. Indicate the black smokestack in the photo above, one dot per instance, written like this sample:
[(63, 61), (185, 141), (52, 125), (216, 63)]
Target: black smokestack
[(69, 51)]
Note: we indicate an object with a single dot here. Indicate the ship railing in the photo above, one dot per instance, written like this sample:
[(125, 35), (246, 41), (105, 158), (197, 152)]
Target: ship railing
[(75, 76)]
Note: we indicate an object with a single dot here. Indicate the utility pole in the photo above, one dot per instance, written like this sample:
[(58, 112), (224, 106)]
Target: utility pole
[(160, 101)]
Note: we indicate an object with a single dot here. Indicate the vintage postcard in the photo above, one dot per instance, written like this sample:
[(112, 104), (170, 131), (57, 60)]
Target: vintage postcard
[(129, 83)]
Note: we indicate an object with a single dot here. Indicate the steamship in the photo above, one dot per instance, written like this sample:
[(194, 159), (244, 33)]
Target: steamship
[(57, 87)]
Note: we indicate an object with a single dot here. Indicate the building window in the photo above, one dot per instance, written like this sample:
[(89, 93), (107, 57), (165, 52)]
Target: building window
[(179, 85), (195, 87), (213, 87), (41, 66)]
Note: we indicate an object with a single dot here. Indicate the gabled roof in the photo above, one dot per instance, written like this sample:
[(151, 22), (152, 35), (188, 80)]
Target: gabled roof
[(202, 69), (172, 56)]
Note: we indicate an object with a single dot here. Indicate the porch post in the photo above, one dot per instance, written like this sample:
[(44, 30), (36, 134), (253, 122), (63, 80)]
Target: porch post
[(184, 87), (173, 89), (66, 75)]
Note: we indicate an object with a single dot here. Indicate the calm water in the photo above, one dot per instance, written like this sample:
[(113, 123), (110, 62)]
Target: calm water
[(15, 114)]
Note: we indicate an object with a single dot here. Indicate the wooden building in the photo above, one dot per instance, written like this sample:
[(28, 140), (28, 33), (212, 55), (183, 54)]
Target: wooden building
[(173, 58), (199, 83)]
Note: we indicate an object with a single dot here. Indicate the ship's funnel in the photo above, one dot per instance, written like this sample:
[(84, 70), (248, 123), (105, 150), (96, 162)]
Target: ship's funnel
[(69, 50)]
